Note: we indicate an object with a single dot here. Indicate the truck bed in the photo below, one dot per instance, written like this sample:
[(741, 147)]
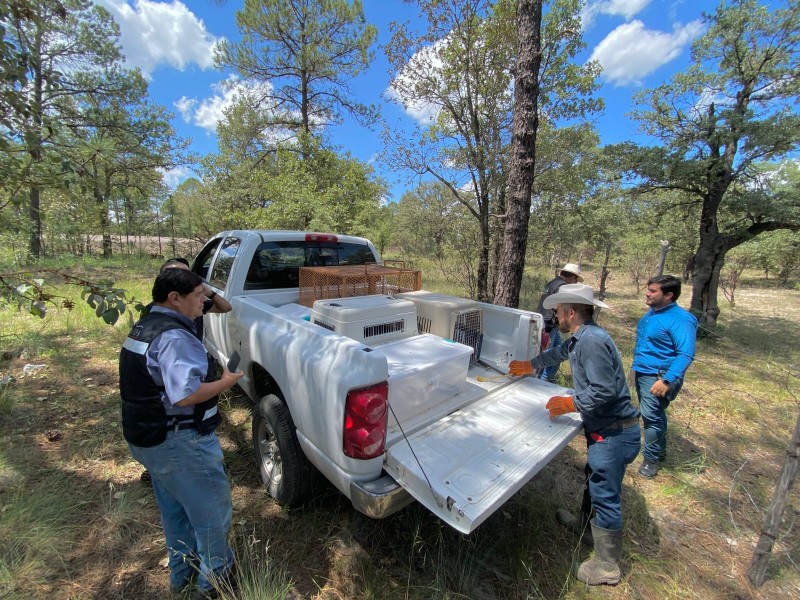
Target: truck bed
[(459, 445)]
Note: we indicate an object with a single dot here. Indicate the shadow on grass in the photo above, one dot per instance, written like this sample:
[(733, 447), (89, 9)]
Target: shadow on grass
[(761, 335)]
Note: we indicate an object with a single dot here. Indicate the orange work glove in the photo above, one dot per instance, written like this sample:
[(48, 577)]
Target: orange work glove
[(520, 367), (560, 405)]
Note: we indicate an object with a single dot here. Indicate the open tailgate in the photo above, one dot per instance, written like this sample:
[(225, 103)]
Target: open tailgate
[(476, 458)]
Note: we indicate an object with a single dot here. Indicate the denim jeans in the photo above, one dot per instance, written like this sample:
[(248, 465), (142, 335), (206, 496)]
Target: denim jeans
[(609, 452), (549, 373), (194, 498), (654, 415)]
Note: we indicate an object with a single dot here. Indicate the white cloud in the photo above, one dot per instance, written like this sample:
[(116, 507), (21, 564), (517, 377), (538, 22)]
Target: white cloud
[(622, 8), (425, 63), (631, 51), (208, 112), (176, 176), (422, 112), (157, 33)]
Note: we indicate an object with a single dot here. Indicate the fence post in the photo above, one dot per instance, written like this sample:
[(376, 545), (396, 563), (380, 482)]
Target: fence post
[(758, 566)]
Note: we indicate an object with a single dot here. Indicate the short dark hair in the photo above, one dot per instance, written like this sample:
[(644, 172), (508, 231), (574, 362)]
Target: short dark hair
[(175, 280), (169, 264), (669, 285), (584, 310)]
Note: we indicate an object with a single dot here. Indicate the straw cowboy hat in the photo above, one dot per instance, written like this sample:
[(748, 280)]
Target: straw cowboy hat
[(573, 293), (574, 269)]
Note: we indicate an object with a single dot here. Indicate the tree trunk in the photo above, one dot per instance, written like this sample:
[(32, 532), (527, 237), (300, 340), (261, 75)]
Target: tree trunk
[(662, 259), (36, 151), (772, 524), (601, 294), (687, 270), (35, 242), (523, 151), (482, 286), (709, 259), (497, 241), (105, 226)]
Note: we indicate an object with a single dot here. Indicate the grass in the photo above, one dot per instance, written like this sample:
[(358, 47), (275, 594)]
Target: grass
[(76, 522)]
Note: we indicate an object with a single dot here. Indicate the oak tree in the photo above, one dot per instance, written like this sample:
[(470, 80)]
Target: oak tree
[(718, 124)]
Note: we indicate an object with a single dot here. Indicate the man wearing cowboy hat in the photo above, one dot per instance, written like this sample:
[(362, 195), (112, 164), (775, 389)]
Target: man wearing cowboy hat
[(610, 421), (570, 273)]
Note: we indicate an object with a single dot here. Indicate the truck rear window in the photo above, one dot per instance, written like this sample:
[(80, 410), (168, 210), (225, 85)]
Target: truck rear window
[(276, 265)]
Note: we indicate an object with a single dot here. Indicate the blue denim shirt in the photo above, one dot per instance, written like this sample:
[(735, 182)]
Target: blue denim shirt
[(177, 360), (601, 394), (665, 342)]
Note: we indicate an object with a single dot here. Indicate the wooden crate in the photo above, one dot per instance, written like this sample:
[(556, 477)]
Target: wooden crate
[(323, 283)]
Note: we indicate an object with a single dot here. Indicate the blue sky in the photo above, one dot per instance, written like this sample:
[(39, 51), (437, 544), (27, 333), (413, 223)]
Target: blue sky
[(639, 43)]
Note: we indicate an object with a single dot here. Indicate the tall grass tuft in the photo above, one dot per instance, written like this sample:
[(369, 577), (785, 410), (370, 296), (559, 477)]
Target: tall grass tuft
[(258, 576), (36, 531)]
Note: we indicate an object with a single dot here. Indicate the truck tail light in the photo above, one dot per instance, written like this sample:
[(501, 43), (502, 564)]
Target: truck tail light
[(321, 237), (545, 340), (365, 414)]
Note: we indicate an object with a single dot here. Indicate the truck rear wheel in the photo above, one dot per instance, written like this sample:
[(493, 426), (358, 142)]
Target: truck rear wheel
[(284, 468)]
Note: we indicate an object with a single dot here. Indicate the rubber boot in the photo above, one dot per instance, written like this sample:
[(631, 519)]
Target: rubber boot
[(603, 567), (579, 525)]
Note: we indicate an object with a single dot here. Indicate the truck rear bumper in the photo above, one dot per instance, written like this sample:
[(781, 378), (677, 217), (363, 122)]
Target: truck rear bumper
[(379, 498)]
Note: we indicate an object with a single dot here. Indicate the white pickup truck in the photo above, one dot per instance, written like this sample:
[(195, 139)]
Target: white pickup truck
[(393, 396)]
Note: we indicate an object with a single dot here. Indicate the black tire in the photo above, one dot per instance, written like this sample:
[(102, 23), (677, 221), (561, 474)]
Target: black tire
[(286, 472)]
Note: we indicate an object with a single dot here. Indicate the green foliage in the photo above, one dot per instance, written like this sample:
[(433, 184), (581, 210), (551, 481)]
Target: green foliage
[(639, 257), (430, 225), (457, 70), (191, 209), (33, 294), (76, 126), (776, 253), (567, 195), (460, 71), (382, 229), (306, 52), (284, 189), (57, 51), (721, 124), (424, 220), (121, 164)]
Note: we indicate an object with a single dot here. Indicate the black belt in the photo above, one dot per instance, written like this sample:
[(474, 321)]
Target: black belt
[(177, 425), (627, 423)]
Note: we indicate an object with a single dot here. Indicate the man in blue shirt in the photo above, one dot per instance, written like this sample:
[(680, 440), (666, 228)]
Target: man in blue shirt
[(212, 303), (169, 397), (610, 421), (665, 345)]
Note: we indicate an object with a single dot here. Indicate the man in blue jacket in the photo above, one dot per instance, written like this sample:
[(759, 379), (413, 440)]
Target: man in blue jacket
[(665, 344)]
